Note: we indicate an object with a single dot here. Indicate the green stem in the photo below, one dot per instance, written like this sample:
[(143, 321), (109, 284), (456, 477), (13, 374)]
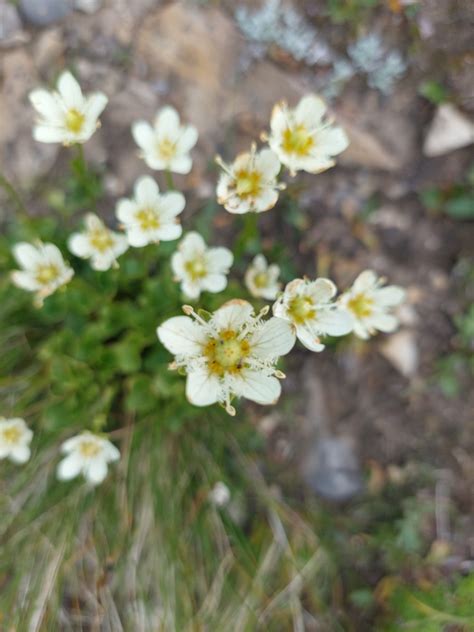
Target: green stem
[(248, 240), (169, 180), (10, 190)]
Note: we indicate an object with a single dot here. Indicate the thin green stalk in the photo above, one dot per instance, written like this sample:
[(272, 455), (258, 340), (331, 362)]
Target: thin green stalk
[(12, 193), (248, 240), (169, 180)]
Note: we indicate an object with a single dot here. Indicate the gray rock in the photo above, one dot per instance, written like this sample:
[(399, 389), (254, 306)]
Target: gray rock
[(332, 469), (45, 12), (88, 6), (11, 32)]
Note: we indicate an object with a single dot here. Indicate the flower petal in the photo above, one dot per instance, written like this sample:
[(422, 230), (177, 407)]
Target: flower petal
[(259, 388), (95, 105), (26, 255), (275, 338), (46, 104), (181, 335), (187, 139), (214, 283), (331, 141), (333, 322), (181, 164), (146, 191), (143, 134), (219, 259), (232, 315), (383, 322), (322, 290), (47, 134), (20, 453), (390, 296), (167, 122), (366, 280), (268, 163), (308, 337), (172, 203), (310, 110), (69, 467), (25, 280), (202, 388), (169, 232), (79, 245), (96, 470), (125, 210), (70, 91)]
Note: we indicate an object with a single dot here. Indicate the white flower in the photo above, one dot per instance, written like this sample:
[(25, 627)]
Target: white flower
[(44, 269), (369, 304), (232, 354), (88, 454), (200, 268), (97, 243), (15, 439), (302, 140), (261, 279), (309, 306), (66, 116), (249, 184), (167, 144), (151, 216), (219, 494)]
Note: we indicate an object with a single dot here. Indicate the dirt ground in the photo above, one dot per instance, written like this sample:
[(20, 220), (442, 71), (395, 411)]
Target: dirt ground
[(382, 399)]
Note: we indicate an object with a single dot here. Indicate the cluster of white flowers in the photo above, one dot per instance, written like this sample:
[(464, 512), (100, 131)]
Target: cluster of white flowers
[(87, 453), (300, 139), (234, 351)]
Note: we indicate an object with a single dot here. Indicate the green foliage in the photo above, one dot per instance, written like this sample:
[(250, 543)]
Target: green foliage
[(445, 605), (433, 92), (456, 200), (458, 366), (350, 11)]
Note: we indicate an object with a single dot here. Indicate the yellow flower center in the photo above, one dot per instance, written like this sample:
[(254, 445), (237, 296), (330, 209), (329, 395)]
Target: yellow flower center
[(226, 353), (148, 219), (12, 435), (196, 268), (301, 309), (166, 148), (100, 239), (89, 448), (74, 120), (47, 273), (248, 183), (261, 280), (297, 140), (361, 305)]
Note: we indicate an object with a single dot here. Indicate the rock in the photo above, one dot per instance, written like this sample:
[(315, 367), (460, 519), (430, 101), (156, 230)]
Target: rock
[(44, 12), (196, 51), (366, 150), (21, 157), (332, 469), (11, 32), (401, 350), (48, 49), (382, 133), (88, 6), (449, 130)]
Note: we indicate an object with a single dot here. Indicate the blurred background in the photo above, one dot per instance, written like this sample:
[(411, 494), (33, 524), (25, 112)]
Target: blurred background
[(374, 444)]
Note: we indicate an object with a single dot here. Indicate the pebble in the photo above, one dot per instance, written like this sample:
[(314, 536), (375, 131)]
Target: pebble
[(332, 469), (11, 32), (450, 129), (45, 12), (401, 351)]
